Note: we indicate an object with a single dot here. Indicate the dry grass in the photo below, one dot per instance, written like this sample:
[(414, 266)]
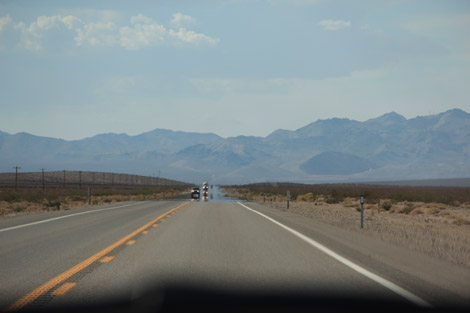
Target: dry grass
[(336, 193), (445, 234), (34, 200)]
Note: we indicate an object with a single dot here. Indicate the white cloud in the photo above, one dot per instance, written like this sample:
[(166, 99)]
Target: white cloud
[(143, 32), (141, 36), (94, 34), (334, 25), (192, 37), (70, 21), (181, 20), (141, 19), (32, 35), (4, 21), (44, 23)]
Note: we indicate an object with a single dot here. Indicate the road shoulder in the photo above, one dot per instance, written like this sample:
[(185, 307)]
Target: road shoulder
[(445, 282)]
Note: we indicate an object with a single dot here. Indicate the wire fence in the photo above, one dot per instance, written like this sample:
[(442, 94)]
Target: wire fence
[(80, 179)]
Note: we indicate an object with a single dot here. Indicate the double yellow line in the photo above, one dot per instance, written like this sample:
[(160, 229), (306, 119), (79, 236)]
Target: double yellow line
[(36, 293)]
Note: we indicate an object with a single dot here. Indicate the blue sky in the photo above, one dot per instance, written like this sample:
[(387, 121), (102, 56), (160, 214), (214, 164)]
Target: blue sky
[(73, 69)]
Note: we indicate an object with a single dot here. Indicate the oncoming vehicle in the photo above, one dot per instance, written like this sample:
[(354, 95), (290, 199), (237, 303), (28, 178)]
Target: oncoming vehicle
[(195, 193), (205, 191)]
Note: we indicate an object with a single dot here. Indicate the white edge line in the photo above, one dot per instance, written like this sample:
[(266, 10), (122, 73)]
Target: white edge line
[(382, 281), (65, 216)]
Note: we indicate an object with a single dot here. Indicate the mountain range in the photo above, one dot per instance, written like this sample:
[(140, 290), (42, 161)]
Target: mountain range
[(389, 147)]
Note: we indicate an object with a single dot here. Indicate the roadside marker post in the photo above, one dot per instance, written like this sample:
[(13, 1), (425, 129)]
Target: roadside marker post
[(378, 206), (362, 211), (288, 198), (89, 195)]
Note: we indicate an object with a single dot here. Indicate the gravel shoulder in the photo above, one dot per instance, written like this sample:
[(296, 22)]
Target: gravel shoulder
[(437, 230)]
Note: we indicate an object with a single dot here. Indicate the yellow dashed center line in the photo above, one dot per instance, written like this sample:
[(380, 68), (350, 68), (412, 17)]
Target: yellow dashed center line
[(130, 242), (36, 293), (162, 220), (106, 259), (155, 225), (145, 232), (62, 290)]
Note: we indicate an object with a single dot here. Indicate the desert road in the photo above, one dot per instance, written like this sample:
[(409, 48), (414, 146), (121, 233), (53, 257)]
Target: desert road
[(120, 252)]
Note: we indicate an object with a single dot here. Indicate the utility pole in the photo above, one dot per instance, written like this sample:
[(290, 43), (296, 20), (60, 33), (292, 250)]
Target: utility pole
[(43, 169), (64, 178), (16, 177), (80, 179)]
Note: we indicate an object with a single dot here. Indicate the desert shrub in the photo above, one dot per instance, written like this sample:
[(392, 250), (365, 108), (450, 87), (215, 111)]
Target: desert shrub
[(309, 196), (407, 209), (33, 197), (77, 198), (108, 200), (444, 195), (461, 221), (103, 193), (10, 196), (18, 209), (358, 209), (335, 197), (53, 204), (332, 200), (387, 205)]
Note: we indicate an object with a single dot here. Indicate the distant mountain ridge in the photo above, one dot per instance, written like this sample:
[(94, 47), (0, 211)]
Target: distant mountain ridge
[(389, 147)]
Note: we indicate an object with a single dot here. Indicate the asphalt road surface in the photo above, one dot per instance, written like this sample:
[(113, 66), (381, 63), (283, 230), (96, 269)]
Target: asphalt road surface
[(136, 252)]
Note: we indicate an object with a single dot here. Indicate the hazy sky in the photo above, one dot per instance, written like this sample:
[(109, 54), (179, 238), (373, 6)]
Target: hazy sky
[(73, 69)]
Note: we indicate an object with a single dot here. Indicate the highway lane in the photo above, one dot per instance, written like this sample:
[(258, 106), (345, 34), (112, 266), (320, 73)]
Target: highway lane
[(49, 244), (222, 245)]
